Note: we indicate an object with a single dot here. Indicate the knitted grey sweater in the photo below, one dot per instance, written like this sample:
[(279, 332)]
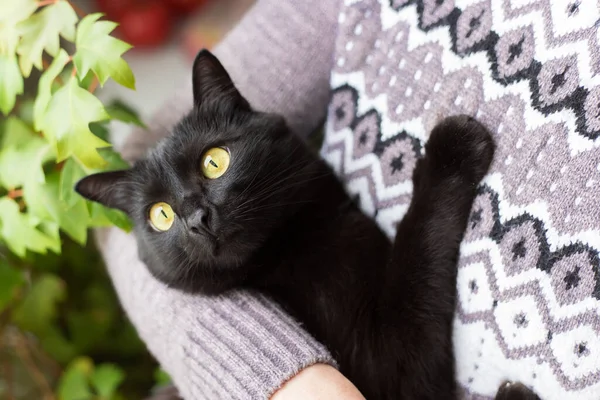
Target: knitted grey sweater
[(528, 283)]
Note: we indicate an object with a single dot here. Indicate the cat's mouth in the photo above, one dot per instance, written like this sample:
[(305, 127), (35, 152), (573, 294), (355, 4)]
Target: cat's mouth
[(206, 232), (209, 237)]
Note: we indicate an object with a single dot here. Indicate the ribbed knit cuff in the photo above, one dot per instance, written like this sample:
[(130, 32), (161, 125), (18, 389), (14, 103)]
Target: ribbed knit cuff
[(245, 347), (236, 346)]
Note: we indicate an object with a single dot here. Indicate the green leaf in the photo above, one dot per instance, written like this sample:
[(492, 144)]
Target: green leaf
[(11, 83), (101, 216), (69, 176), (11, 281), (22, 155), (11, 10), (43, 200), (40, 306), (50, 229), (17, 232), (74, 221), (26, 110), (73, 384), (41, 32), (57, 345), (120, 111), (106, 379), (87, 80), (45, 88), (100, 52), (11, 13), (15, 132), (100, 129), (66, 124), (161, 377), (113, 160)]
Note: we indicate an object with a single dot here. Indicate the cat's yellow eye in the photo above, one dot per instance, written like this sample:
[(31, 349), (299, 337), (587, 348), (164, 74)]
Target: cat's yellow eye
[(161, 216), (215, 162)]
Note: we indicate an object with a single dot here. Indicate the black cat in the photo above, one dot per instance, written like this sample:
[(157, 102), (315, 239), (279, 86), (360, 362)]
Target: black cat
[(234, 199)]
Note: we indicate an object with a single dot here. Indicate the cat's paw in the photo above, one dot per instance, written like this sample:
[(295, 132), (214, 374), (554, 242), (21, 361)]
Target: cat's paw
[(515, 391), (460, 145)]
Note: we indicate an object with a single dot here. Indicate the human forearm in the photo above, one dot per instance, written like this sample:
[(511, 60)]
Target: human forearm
[(240, 345)]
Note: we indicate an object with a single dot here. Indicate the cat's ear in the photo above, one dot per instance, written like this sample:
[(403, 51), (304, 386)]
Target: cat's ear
[(108, 188), (212, 82)]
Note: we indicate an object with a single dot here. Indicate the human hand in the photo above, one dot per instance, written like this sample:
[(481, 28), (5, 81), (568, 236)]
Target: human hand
[(318, 382)]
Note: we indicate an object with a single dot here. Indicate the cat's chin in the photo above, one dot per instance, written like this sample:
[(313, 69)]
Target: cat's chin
[(205, 278), (204, 270)]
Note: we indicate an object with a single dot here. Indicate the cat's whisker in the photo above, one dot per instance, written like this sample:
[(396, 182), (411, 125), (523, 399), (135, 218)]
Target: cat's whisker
[(268, 207), (272, 191), (288, 167), (248, 186), (275, 187)]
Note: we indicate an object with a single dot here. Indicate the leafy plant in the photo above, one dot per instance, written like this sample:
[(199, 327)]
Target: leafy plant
[(62, 334)]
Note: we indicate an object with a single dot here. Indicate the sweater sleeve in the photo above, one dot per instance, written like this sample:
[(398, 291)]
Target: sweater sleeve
[(240, 345)]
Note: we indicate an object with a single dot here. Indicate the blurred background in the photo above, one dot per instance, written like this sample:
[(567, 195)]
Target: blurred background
[(63, 334), (166, 34)]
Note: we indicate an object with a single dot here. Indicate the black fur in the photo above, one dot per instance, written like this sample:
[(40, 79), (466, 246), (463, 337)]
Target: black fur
[(281, 222), (515, 391)]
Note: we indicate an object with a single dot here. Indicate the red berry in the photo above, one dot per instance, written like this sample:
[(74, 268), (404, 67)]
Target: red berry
[(146, 23), (114, 9), (185, 6)]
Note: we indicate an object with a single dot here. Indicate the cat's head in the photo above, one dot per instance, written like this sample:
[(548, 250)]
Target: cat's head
[(208, 196)]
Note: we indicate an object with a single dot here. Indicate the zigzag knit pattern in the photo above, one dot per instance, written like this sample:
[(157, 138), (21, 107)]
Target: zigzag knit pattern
[(529, 273)]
